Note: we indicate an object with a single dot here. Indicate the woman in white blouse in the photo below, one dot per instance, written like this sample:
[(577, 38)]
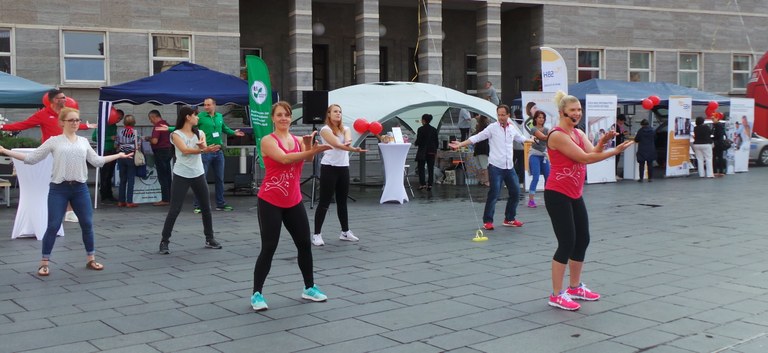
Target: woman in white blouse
[(68, 183)]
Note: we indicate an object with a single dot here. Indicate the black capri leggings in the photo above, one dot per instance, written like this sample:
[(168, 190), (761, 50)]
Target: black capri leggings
[(571, 225), (333, 179), (271, 218)]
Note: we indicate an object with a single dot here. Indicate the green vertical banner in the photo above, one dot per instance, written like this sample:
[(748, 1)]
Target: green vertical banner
[(260, 98)]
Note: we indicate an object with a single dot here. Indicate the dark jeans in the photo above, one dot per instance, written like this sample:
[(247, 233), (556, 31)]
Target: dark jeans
[(464, 133), (333, 180), (430, 163), (215, 160), (642, 169), (496, 176), (59, 196), (163, 157), (271, 219), (127, 179), (179, 189), (718, 160), (106, 174), (571, 225)]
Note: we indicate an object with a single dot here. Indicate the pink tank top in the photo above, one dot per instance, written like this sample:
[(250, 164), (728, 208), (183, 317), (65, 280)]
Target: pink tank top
[(281, 181), (565, 175)]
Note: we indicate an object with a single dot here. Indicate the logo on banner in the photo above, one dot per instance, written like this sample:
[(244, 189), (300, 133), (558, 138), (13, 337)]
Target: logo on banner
[(258, 92)]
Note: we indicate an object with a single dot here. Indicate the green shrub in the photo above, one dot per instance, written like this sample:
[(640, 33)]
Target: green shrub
[(10, 142)]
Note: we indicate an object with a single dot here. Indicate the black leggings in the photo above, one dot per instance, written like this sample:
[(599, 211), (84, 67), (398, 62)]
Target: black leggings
[(571, 225), (333, 179), (718, 160), (295, 220), (179, 187), (642, 169)]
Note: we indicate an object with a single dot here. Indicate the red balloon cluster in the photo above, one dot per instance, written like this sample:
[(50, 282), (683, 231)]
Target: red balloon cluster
[(712, 110), (362, 126), (651, 102)]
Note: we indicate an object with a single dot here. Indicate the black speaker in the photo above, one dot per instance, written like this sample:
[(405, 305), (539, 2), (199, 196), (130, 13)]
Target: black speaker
[(315, 104)]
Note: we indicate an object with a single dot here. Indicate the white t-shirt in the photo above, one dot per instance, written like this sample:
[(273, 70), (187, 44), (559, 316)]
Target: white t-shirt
[(188, 165), (69, 158), (335, 157)]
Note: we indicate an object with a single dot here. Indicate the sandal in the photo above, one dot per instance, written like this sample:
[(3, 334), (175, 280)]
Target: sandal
[(93, 265), (42, 271)]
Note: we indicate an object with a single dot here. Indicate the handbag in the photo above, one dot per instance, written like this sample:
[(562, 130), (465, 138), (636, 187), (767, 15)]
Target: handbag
[(138, 156)]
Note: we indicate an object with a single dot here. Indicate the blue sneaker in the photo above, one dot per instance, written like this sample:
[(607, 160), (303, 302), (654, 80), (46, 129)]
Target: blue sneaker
[(314, 294), (258, 303)]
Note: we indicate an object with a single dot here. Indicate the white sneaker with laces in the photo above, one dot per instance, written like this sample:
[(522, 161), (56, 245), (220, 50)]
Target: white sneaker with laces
[(317, 240), (348, 236), (70, 216)]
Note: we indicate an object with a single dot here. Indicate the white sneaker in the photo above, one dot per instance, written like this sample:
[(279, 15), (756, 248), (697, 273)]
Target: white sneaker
[(348, 236), (71, 217), (317, 240)]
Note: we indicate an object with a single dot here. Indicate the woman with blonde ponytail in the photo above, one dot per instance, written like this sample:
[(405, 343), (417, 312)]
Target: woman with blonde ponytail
[(570, 151)]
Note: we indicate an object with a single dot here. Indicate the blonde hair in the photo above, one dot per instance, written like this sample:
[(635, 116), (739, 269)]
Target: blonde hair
[(562, 99), (335, 128), (66, 110)]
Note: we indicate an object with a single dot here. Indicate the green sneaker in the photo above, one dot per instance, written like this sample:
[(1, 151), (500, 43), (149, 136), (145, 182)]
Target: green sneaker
[(198, 210), (224, 208), (258, 303), (314, 294)]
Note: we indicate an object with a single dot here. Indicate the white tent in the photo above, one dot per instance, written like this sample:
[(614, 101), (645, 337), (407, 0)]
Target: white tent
[(383, 101)]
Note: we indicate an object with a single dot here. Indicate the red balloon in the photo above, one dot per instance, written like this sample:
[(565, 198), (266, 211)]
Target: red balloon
[(114, 116), (72, 103), (655, 99), (719, 115), (375, 128), (360, 125), (708, 112), (647, 104), (712, 105), (46, 102)]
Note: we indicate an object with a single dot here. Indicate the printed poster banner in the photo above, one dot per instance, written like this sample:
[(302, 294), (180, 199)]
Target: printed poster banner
[(554, 76), (679, 136), (260, 98), (600, 115), (743, 117), (533, 102)]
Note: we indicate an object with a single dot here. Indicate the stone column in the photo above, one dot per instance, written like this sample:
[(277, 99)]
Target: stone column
[(367, 41), (300, 53), (489, 46), (431, 42)]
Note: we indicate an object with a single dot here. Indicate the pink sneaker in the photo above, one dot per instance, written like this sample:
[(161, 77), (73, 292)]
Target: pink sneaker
[(488, 226), (531, 204), (582, 293), (563, 301), (514, 223)]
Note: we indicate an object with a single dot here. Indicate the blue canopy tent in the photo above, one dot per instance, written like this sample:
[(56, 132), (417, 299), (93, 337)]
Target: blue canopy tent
[(634, 92), (185, 83), (17, 92)]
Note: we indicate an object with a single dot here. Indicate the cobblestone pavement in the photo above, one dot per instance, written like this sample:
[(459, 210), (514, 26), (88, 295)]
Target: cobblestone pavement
[(681, 264)]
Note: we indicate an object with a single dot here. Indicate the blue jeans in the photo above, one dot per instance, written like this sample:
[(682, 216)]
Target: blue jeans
[(216, 160), (78, 196), (496, 176), (538, 165), (127, 179)]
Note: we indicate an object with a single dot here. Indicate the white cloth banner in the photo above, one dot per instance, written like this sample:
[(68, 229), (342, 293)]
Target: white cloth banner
[(554, 73), (601, 117), (34, 184), (679, 136), (743, 115)]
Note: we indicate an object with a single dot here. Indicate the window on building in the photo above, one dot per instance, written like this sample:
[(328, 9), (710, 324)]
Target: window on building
[(169, 50), (243, 53), (383, 64), (688, 70), (84, 56), (640, 66), (742, 69), (589, 65), (5, 50), (320, 67), (470, 69)]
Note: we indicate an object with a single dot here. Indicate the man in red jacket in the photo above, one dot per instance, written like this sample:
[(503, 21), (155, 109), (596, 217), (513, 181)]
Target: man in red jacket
[(47, 118)]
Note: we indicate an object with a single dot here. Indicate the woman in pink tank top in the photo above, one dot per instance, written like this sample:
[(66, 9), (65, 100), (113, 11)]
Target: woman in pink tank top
[(280, 202), (570, 151)]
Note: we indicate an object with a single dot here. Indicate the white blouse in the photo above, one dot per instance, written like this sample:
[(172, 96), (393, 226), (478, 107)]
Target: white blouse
[(68, 158)]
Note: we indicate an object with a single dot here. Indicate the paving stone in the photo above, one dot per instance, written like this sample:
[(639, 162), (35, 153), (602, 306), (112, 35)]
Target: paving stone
[(149, 321), (130, 339), (459, 339), (55, 336), (277, 342), (554, 338), (187, 342), (605, 323)]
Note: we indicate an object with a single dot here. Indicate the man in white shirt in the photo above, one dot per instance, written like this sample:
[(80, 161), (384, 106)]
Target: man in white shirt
[(501, 167)]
